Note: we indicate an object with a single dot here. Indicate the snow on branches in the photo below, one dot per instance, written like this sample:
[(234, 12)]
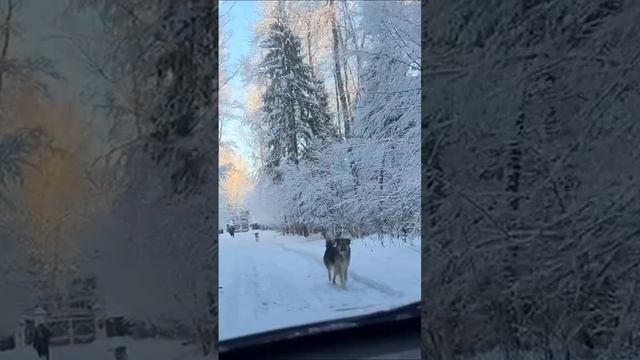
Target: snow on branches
[(370, 181), (531, 201)]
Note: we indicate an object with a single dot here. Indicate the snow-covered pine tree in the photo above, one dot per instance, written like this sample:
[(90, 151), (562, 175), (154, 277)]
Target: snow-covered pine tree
[(185, 76), (166, 69), (294, 102), (181, 143), (319, 112)]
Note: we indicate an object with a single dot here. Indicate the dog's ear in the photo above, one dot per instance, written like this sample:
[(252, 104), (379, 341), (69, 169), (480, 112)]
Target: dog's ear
[(327, 236), (348, 241)]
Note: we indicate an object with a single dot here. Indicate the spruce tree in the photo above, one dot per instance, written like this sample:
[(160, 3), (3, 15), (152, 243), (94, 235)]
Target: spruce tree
[(181, 121), (295, 101)]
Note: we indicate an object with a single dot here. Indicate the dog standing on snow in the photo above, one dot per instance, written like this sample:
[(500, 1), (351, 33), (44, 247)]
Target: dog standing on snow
[(336, 258), (256, 235)]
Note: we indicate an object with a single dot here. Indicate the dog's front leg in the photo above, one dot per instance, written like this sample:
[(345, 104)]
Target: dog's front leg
[(343, 280), (346, 272)]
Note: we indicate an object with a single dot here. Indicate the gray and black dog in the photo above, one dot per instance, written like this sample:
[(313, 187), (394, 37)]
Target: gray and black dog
[(336, 258)]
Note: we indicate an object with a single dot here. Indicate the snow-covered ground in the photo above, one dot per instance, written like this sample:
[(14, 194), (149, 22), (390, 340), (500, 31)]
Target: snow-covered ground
[(281, 281), (103, 350)]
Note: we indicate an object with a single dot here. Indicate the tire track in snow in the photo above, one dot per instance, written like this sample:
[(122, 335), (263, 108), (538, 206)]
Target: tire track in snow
[(286, 293), (387, 290), (253, 300)]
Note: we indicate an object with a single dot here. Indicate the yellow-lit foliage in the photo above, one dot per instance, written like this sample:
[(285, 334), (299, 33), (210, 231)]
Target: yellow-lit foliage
[(237, 183), (254, 99), (54, 200)]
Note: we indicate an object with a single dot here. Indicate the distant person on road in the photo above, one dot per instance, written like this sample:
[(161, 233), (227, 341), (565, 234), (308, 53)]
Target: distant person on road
[(30, 333), (41, 341), (232, 231)]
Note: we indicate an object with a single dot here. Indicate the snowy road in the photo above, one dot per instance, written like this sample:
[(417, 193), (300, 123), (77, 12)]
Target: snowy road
[(103, 350), (281, 281)]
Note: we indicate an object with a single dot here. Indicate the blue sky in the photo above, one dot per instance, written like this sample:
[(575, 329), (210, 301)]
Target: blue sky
[(243, 15)]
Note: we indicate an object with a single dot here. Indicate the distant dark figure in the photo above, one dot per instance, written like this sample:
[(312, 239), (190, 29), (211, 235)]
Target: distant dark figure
[(256, 235), (120, 353), (232, 231), (403, 233), (41, 341), (30, 332)]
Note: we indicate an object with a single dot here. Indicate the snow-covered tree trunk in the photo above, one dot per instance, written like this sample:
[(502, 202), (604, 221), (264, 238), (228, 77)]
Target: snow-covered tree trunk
[(337, 65)]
